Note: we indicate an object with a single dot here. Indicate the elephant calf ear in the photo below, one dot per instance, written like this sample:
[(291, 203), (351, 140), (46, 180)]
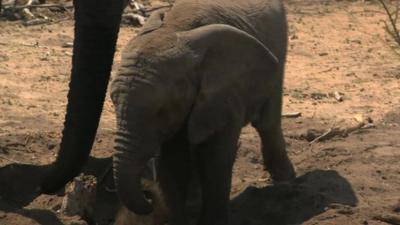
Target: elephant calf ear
[(225, 58), (207, 116)]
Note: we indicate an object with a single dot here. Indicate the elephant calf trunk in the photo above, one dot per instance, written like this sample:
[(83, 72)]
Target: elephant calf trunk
[(131, 154)]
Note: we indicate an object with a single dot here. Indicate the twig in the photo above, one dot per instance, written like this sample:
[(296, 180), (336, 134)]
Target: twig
[(44, 6), (333, 132), (323, 136), (393, 20), (368, 126), (36, 45), (291, 114), (27, 140), (359, 126)]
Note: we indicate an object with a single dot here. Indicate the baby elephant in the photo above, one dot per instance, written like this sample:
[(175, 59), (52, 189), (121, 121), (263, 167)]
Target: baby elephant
[(187, 84)]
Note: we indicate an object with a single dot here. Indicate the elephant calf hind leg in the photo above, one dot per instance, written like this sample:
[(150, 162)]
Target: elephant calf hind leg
[(275, 157), (274, 153)]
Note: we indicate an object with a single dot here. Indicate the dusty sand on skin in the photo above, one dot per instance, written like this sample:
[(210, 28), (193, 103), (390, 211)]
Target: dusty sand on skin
[(334, 46)]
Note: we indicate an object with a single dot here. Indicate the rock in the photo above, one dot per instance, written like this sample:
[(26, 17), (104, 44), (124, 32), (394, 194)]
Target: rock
[(80, 196), (338, 96), (363, 119), (68, 45), (27, 14), (291, 114), (359, 118), (133, 19)]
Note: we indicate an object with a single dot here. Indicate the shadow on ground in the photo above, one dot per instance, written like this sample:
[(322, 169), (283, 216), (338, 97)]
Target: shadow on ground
[(280, 204), (19, 189), (294, 202)]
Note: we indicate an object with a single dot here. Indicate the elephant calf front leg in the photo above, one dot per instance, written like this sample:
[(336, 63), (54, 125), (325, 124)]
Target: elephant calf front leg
[(215, 158), (174, 170)]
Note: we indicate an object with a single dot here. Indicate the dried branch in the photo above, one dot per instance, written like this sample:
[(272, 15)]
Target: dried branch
[(341, 132), (44, 6), (393, 17), (291, 115), (391, 219)]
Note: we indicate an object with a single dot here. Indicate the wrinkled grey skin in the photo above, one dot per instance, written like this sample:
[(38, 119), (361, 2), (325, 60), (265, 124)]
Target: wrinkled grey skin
[(187, 84), (95, 35)]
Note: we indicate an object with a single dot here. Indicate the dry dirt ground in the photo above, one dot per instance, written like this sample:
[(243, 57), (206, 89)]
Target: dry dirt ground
[(334, 46)]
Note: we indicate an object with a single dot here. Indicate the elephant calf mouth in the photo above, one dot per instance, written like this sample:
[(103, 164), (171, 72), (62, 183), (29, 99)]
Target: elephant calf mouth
[(159, 216)]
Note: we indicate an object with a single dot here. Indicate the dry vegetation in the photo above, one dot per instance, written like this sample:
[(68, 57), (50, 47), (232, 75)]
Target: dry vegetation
[(392, 29)]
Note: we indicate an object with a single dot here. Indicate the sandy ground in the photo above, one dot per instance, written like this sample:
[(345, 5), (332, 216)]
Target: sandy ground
[(335, 46)]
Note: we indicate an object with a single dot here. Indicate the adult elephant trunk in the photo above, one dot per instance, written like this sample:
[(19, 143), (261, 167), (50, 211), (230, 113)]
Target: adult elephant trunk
[(96, 31), (131, 154)]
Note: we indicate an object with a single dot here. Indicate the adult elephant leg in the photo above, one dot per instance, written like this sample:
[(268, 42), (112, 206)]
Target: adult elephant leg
[(215, 158), (273, 149), (174, 169), (96, 31)]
